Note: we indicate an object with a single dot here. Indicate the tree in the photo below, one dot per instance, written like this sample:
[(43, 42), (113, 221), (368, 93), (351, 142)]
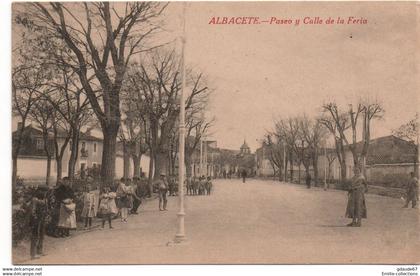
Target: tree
[(157, 84), (410, 132), (103, 37), (337, 123), (313, 132), (43, 115)]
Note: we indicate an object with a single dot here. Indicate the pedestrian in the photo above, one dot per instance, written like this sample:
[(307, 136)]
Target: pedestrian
[(67, 217), (201, 185), (195, 184), (107, 206), (123, 199), (37, 222), (412, 191), (244, 175), (53, 211), (356, 205), (308, 180), (137, 195), (209, 185), (162, 185), (88, 211)]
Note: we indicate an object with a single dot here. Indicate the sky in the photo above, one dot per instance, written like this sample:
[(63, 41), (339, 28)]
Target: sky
[(263, 72), (260, 73)]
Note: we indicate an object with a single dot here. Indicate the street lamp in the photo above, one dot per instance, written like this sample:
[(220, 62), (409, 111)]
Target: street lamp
[(180, 235)]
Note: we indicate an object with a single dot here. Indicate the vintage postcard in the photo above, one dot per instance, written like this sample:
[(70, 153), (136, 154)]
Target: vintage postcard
[(215, 133)]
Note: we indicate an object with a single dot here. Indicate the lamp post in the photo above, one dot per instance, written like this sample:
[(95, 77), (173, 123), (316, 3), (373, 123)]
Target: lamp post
[(180, 235)]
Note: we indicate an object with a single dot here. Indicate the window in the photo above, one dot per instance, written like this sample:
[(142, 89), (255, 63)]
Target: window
[(39, 144), (83, 145), (94, 147)]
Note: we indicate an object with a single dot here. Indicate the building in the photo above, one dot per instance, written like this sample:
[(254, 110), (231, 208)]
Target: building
[(264, 166), (32, 159), (389, 161)]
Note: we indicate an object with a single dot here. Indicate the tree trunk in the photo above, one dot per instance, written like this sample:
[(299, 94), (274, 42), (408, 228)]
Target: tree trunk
[(59, 164), (74, 153), (151, 168), (14, 171), (16, 149), (48, 169), (136, 165), (291, 166), (315, 165), (161, 165), (126, 161), (109, 149)]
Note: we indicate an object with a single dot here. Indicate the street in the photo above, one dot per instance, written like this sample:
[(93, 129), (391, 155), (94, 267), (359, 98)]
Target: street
[(259, 222)]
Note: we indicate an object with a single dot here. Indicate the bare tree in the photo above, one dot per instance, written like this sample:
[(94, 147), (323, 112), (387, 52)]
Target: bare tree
[(410, 132), (103, 37), (313, 132)]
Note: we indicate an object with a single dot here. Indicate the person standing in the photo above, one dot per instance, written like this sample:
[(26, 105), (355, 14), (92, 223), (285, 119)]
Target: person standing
[(243, 174), (137, 195), (308, 180), (107, 206), (123, 200), (67, 217), (412, 191), (37, 222), (209, 185), (162, 184), (88, 211), (356, 205)]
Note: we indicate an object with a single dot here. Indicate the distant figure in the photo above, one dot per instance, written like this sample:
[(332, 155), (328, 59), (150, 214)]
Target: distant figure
[(243, 175), (412, 191), (37, 222), (356, 206), (308, 180), (163, 186), (209, 185)]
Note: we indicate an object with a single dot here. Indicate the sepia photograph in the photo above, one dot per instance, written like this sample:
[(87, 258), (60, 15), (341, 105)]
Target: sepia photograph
[(214, 133)]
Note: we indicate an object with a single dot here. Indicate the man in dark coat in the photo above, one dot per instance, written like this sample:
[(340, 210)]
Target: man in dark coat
[(37, 222), (243, 174), (308, 180), (356, 205), (412, 191)]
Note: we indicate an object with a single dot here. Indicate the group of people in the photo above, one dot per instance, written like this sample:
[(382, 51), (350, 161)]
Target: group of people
[(53, 209), (199, 186), (356, 204)]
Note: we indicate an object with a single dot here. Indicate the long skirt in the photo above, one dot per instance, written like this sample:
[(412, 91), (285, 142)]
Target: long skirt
[(356, 205), (67, 218)]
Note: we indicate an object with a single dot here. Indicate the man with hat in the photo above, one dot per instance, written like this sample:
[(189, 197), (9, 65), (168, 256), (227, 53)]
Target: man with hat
[(163, 186)]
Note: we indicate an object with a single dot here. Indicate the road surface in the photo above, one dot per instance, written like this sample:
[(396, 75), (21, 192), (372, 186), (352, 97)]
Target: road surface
[(259, 222)]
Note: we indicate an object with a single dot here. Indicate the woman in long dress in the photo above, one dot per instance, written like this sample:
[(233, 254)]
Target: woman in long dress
[(356, 205)]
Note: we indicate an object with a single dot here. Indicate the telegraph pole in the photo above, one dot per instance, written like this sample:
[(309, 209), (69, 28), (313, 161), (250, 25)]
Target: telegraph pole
[(180, 235)]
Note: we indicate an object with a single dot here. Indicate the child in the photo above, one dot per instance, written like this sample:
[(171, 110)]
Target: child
[(67, 219), (107, 207), (123, 200), (88, 211)]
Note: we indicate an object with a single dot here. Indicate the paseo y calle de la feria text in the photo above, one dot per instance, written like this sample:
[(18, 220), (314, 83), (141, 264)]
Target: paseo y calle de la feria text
[(255, 20)]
